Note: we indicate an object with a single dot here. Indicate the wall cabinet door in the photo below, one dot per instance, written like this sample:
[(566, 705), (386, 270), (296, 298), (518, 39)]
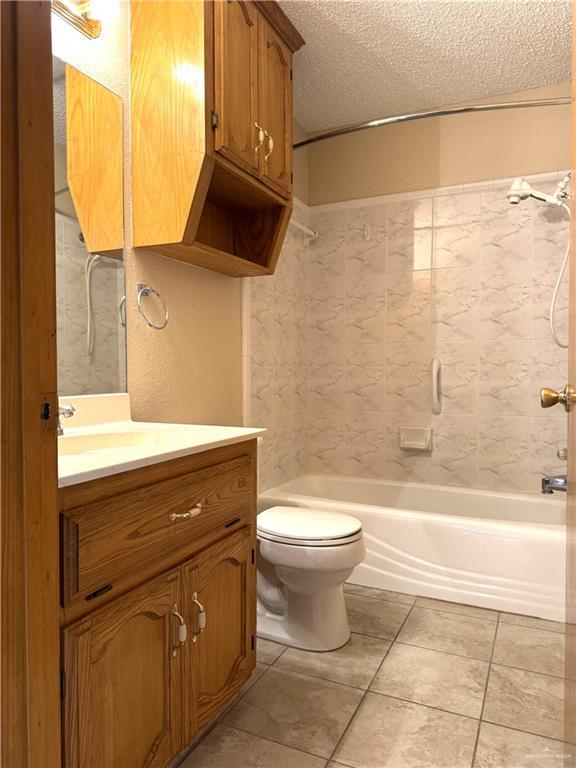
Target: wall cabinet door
[(275, 108), (219, 589), (122, 705), (235, 83)]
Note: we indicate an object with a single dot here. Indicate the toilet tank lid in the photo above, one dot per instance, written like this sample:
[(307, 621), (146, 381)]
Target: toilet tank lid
[(306, 523)]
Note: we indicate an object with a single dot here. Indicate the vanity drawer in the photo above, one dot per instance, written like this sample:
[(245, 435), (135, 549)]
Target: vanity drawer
[(126, 537)]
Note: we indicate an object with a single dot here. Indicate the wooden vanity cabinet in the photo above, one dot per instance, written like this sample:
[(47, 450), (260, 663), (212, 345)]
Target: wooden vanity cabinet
[(145, 670)]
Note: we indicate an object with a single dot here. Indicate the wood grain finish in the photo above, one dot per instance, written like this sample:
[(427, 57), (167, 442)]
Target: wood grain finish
[(132, 535), (94, 161), (570, 700), (281, 23), (122, 699), (235, 78), (223, 656), (206, 197), (275, 108), (29, 643), (168, 117)]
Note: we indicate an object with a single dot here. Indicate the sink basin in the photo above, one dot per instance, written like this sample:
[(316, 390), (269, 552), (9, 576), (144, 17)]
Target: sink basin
[(133, 442)]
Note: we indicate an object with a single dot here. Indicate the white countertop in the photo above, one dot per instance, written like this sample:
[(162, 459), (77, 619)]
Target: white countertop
[(90, 452)]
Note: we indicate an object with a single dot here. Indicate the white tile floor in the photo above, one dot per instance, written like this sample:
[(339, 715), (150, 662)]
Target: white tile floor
[(421, 684)]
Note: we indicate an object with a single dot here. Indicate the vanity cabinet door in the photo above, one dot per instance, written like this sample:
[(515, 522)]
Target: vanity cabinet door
[(219, 589), (275, 108), (122, 681), (235, 81)]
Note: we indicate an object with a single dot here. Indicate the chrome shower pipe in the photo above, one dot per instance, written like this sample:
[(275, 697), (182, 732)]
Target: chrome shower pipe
[(562, 101)]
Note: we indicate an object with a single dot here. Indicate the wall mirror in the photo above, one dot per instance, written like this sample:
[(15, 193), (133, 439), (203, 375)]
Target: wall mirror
[(88, 192)]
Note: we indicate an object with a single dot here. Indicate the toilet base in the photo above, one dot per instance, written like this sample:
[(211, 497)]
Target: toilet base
[(312, 622)]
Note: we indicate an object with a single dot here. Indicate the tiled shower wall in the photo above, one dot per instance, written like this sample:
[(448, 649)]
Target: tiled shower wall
[(105, 370), (339, 343)]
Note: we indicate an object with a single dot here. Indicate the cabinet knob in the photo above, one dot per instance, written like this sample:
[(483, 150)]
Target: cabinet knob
[(190, 515)]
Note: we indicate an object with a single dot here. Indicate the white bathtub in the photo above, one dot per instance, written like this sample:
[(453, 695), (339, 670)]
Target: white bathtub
[(496, 550)]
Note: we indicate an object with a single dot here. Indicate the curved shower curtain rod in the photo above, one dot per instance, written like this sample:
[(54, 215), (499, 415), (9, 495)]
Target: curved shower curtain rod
[(558, 102)]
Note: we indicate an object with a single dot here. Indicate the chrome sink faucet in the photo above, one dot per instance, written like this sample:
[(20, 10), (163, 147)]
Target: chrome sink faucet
[(552, 483), (66, 412)]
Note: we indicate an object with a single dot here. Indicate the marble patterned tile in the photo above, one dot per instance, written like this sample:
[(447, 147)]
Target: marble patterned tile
[(456, 246), (366, 377), (375, 618), (409, 250), (327, 376), (527, 701), (448, 632), (536, 650), (367, 225), (365, 447), (379, 594), (366, 317), (435, 679), (326, 442), (454, 459), (505, 301), (546, 437), (408, 302), (455, 304), (459, 376), (354, 664), (544, 276), (551, 231), (506, 748), (450, 607), (223, 745), (414, 214), (503, 449), (268, 651), (327, 318), (504, 377), (401, 464), (387, 733), (461, 208), (408, 371), (296, 710)]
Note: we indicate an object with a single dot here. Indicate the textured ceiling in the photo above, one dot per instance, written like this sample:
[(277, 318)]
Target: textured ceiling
[(371, 58)]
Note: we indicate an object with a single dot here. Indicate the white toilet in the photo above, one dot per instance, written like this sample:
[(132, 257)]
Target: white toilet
[(304, 558)]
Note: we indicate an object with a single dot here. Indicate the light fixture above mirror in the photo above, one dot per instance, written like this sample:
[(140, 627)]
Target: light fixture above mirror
[(78, 14)]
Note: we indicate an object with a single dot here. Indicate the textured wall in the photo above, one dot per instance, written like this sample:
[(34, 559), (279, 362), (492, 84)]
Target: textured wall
[(393, 282)]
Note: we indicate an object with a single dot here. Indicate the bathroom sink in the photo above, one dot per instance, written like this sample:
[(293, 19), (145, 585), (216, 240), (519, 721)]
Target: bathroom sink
[(91, 452)]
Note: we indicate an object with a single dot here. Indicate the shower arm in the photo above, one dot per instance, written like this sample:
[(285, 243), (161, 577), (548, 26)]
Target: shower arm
[(561, 101)]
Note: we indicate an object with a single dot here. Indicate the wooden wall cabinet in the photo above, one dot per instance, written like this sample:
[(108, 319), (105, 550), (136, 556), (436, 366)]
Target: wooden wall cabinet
[(212, 131), (136, 691)]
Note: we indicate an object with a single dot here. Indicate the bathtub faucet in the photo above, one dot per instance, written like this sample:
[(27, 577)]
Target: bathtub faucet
[(552, 483)]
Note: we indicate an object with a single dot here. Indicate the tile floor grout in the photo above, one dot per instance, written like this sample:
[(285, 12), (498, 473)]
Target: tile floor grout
[(351, 720), (485, 693), (392, 641)]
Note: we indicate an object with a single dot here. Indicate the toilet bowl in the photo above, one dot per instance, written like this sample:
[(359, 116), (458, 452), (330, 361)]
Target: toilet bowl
[(304, 558)]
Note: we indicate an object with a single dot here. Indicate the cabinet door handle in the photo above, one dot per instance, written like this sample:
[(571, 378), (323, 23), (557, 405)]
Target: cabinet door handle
[(190, 515), (270, 146), (201, 617), (182, 630), (261, 133)]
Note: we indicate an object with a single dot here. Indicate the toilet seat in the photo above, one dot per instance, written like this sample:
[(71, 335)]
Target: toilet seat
[(305, 527)]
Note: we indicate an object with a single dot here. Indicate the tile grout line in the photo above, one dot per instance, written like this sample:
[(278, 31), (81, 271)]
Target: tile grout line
[(345, 731), (480, 720)]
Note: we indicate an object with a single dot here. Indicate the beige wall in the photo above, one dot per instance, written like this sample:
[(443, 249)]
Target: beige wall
[(442, 151), (301, 170), (192, 370)]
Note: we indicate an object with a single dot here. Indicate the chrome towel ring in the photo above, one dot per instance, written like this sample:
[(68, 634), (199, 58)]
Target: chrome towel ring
[(147, 290)]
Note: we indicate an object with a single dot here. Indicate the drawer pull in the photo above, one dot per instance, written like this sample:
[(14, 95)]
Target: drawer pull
[(190, 515), (201, 617), (182, 630), (230, 523), (98, 592)]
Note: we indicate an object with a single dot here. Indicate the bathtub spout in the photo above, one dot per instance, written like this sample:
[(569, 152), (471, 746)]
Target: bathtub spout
[(553, 483)]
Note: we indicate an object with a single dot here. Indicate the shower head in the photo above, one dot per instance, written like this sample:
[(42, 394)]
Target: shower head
[(522, 190)]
